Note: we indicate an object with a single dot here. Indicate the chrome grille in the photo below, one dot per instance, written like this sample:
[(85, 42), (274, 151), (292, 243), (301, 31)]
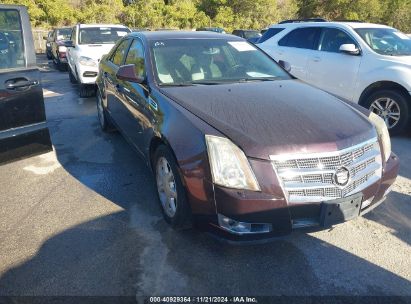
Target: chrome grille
[(309, 178)]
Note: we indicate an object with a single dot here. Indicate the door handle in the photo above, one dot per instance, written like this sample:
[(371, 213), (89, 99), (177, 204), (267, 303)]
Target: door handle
[(316, 59), (12, 84)]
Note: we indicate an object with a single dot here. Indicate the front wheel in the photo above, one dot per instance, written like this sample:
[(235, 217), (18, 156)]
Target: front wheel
[(86, 90), (393, 107), (171, 193)]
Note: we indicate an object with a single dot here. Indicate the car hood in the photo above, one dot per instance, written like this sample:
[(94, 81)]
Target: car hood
[(94, 51), (402, 60), (274, 118)]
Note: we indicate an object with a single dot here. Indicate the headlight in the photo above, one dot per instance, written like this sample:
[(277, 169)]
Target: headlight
[(62, 48), (87, 61), (383, 134), (229, 165)]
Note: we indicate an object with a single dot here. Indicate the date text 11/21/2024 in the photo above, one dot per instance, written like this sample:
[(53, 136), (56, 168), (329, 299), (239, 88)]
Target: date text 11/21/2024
[(203, 299)]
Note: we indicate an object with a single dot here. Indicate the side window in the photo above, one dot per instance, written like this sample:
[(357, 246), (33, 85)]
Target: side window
[(303, 38), (11, 40), (120, 52), (332, 39), (271, 32), (136, 56)]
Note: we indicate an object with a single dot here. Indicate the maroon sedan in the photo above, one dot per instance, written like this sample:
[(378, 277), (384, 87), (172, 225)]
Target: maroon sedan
[(236, 144)]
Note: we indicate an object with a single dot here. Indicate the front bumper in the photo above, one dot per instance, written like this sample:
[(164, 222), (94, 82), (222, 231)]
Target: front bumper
[(87, 74), (283, 217)]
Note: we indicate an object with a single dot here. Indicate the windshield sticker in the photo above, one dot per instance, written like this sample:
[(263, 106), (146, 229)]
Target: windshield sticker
[(242, 46)]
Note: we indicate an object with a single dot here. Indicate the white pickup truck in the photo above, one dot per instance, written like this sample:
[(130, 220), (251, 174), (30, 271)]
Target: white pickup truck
[(89, 42)]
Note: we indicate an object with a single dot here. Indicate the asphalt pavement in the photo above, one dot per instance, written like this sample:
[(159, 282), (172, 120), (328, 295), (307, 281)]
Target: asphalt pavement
[(84, 220)]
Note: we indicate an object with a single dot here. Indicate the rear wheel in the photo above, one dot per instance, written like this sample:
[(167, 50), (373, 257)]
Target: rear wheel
[(393, 107), (171, 193), (103, 118)]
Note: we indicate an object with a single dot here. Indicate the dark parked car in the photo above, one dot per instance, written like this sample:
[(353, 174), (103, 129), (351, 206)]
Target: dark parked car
[(48, 39), (57, 41), (23, 127), (250, 35), (211, 29), (236, 144)]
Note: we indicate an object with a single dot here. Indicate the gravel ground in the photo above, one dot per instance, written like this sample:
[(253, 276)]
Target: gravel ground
[(84, 220)]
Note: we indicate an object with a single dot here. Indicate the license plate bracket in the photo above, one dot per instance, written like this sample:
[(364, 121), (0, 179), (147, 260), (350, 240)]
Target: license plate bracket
[(340, 210)]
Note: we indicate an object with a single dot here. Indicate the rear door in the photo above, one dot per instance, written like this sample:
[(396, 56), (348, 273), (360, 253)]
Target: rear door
[(137, 104), (296, 48), (113, 94), (23, 127)]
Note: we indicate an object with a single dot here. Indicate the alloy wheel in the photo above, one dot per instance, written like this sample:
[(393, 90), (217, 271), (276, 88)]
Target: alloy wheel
[(166, 187), (388, 109)]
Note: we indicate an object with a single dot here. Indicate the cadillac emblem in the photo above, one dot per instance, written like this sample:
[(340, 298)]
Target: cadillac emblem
[(341, 177)]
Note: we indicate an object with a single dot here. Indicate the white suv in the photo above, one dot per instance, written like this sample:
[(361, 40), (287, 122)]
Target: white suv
[(365, 63), (89, 42)]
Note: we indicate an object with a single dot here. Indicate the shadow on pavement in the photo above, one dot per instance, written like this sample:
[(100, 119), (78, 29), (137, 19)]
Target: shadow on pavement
[(394, 213), (105, 257)]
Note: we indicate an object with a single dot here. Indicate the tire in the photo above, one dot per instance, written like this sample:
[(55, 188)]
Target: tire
[(398, 104), (103, 117), (87, 90), (165, 163), (73, 79)]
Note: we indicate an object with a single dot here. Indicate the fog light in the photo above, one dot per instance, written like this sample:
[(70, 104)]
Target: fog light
[(237, 227)]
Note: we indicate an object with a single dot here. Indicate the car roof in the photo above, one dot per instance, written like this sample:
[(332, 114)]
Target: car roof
[(82, 25), (322, 24), (184, 35)]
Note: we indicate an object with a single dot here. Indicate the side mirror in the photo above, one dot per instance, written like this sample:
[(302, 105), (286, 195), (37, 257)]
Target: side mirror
[(69, 43), (349, 49), (285, 65), (128, 73)]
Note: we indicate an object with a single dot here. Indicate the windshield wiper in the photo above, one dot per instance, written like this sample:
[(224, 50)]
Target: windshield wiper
[(207, 82), (178, 84), (251, 79), (191, 83)]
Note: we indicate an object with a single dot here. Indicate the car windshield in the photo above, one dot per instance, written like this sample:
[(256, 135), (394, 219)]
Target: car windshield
[(211, 61), (386, 41), (64, 34), (101, 35), (252, 34)]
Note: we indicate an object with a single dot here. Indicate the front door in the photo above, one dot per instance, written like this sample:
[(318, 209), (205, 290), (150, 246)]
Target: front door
[(331, 70), (23, 126)]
